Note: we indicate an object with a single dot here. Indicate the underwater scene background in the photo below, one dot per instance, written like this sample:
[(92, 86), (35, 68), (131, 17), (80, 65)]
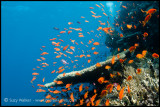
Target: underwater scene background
[(92, 53)]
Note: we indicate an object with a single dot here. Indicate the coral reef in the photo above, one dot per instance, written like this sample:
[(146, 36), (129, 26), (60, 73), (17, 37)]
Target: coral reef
[(144, 89), (134, 16)]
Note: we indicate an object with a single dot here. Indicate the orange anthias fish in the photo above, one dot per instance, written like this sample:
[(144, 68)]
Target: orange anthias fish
[(98, 65), (72, 98), (68, 85), (124, 7), (138, 71), (58, 82), (132, 48), (56, 92), (80, 87), (33, 79), (129, 78), (145, 34), (121, 93), (113, 60), (128, 89), (155, 55), (97, 102), (106, 30), (65, 47), (118, 87), (61, 70), (107, 67), (139, 56), (121, 35), (147, 18), (110, 87), (101, 80), (130, 61), (129, 26), (95, 53), (144, 52), (103, 93), (96, 43), (150, 11), (81, 101), (86, 95), (93, 98), (40, 90), (107, 102), (35, 73)]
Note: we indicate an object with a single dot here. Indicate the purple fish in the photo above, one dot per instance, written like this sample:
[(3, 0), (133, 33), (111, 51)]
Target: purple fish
[(64, 62)]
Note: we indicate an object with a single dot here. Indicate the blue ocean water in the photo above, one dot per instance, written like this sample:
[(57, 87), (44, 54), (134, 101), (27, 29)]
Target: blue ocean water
[(27, 26)]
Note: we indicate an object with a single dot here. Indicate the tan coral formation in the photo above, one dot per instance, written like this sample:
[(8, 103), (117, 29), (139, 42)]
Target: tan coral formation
[(144, 89), (86, 75)]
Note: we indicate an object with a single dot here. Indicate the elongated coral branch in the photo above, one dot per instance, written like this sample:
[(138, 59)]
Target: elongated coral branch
[(89, 74)]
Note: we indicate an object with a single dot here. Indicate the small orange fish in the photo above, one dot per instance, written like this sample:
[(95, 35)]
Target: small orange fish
[(107, 67), (58, 82), (138, 71), (129, 78), (68, 85), (121, 93), (65, 47), (118, 87), (118, 74), (110, 87), (155, 55), (72, 98), (35, 73), (78, 74), (101, 80), (86, 95), (70, 23), (53, 71), (103, 93), (139, 56), (121, 35), (144, 52), (145, 34), (81, 101), (89, 60), (98, 65), (124, 7), (93, 98), (128, 89), (130, 61), (129, 26), (97, 102), (40, 90), (56, 92), (61, 70), (107, 102), (63, 32), (95, 53), (80, 87), (96, 43), (132, 48), (118, 49), (147, 18), (43, 79), (113, 60)]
